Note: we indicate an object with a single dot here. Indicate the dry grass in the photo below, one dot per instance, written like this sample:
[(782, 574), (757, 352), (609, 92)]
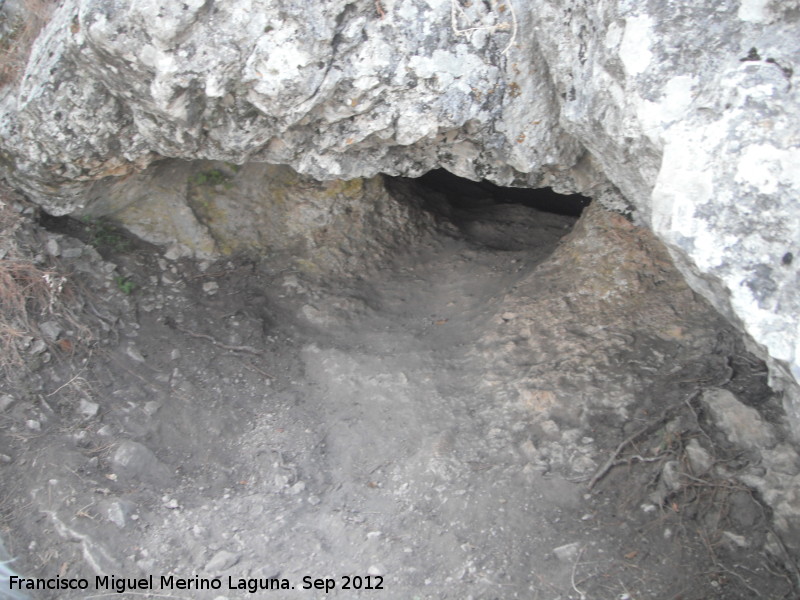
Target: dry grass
[(26, 292), (29, 293), (16, 46)]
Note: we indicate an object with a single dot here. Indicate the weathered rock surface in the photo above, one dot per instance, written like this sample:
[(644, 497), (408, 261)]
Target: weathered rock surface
[(690, 111), (742, 424), (206, 209)]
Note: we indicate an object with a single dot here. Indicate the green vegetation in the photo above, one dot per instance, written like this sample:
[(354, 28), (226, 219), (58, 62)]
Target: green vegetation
[(211, 178), (104, 235), (124, 284)]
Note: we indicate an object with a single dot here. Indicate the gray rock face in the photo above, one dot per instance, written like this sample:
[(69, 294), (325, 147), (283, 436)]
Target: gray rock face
[(206, 209), (136, 461), (742, 424), (335, 89), (690, 111)]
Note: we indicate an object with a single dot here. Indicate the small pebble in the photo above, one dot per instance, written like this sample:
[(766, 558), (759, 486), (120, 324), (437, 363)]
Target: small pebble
[(297, 488), (134, 354), (222, 560), (174, 252), (567, 552), (52, 247), (87, 408), (37, 347), (119, 512), (737, 540), (50, 330), (6, 401)]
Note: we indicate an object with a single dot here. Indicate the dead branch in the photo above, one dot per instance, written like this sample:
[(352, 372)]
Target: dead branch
[(169, 322), (646, 430)]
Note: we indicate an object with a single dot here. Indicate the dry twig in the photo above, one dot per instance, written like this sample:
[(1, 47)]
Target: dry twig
[(572, 576), (457, 11), (15, 48), (169, 322), (788, 560), (646, 430), (29, 294)]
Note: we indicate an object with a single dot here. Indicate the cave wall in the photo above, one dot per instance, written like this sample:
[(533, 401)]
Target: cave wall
[(209, 209), (686, 114)]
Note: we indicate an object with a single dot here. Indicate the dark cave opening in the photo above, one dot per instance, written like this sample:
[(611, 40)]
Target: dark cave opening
[(496, 217), (463, 193)]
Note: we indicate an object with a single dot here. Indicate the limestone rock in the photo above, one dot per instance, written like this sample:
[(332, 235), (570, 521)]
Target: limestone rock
[(119, 512), (136, 461), (699, 459), (742, 424), (222, 561), (208, 208), (334, 89), (50, 330), (567, 552), (87, 408)]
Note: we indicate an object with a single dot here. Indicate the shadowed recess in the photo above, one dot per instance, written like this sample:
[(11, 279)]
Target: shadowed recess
[(461, 192)]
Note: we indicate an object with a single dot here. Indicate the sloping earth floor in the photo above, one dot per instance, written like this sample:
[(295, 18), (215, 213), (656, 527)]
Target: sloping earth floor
[(427, 428)]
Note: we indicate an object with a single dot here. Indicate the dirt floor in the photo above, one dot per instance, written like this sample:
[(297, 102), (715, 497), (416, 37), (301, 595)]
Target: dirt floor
[(497, 412)]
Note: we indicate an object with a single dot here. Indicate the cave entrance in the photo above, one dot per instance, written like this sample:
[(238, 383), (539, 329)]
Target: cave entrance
[(496, 217), (463, 192), (376, 374)]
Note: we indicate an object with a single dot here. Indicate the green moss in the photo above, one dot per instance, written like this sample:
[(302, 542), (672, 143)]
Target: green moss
[(306, 266), (104, 235), (352, 188), (124, 285), (211, 178)]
